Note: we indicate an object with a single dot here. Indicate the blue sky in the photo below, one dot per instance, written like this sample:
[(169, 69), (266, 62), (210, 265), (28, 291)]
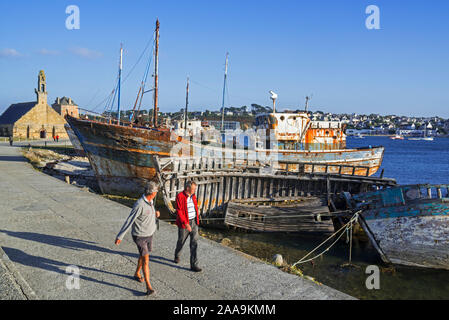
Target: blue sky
[(295, 48)]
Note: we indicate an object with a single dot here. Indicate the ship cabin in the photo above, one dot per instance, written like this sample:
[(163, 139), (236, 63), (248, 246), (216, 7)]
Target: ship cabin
[(196, 129), (193, 126), (295, 131)]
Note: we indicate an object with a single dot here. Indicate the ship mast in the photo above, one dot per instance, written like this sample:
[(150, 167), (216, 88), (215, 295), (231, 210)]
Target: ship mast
[(119, 82), (224, 92), (307, 103), (185, 111), (156, 66)]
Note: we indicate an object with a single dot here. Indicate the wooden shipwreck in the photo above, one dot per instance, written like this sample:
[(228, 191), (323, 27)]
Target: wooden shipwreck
[(225, 188), (408, 225), (297, 214)]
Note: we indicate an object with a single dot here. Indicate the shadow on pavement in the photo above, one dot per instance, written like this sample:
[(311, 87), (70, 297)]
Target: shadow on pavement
[(23, 258), (13, 158), (79, 245)]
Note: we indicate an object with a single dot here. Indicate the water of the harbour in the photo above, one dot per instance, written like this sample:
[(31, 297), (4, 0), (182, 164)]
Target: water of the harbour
[(409, 162)]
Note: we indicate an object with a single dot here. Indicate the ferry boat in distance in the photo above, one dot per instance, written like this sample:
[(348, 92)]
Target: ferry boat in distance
[(122, 153), (421, 139)]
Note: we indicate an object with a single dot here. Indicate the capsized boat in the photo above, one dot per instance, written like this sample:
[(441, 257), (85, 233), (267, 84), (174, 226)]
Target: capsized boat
[(121, 153), (408, 225)]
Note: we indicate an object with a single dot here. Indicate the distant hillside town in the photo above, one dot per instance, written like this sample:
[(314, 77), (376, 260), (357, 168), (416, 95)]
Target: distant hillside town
[(372, 124)]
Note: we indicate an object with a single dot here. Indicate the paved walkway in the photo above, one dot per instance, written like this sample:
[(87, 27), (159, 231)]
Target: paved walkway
[(47, 226)]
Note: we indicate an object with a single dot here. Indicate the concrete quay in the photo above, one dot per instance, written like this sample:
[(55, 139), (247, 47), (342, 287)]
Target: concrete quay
[(48, 226)]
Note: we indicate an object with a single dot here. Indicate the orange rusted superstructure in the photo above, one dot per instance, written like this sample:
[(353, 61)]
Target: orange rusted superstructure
[(325, 138), (295, 131)]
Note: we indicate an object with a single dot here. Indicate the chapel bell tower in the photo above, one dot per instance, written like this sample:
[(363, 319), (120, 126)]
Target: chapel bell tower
[(41, 90)]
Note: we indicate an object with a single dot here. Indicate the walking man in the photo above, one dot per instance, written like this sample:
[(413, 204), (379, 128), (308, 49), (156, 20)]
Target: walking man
[(187, 221), (142, 220), (10, 140)]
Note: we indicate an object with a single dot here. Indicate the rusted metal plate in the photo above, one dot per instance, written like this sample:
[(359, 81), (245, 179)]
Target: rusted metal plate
[(325, 139)]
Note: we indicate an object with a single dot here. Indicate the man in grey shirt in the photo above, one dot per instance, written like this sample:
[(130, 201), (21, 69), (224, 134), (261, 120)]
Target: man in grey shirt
[(142, 221)]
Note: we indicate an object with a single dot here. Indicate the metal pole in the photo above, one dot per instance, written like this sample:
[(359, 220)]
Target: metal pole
[(224, 92), (135, 105), (187, 105), (156, 66), (119, 81)]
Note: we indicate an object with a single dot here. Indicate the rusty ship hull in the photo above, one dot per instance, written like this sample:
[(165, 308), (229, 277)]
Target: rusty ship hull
[(74, 141), (122, 156)]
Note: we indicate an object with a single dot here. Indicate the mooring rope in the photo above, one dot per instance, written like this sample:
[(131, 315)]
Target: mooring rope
[(343, 229)]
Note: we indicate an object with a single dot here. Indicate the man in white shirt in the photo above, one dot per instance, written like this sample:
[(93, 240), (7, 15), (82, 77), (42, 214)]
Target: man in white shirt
[(188, 221)]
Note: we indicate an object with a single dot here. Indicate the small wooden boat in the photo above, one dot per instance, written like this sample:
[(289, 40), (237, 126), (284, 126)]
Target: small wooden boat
[(292, 214), (408, 225)]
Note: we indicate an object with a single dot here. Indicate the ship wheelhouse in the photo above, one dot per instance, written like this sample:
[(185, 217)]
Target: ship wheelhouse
[(295, 131)]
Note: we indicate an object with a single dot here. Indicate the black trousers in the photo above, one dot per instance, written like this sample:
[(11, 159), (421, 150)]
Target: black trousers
[(182, 238)]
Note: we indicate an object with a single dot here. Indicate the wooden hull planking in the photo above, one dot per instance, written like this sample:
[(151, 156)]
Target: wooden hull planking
[(310, 215)]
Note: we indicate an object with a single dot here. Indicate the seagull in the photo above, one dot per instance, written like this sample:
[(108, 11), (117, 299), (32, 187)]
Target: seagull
[(274, 96)]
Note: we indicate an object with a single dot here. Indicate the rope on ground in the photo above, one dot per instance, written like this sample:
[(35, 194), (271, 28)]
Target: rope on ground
[(342, 230)]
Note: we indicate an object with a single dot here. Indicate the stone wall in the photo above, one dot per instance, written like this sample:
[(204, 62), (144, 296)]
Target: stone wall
[(42, 118), (66, 109)]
